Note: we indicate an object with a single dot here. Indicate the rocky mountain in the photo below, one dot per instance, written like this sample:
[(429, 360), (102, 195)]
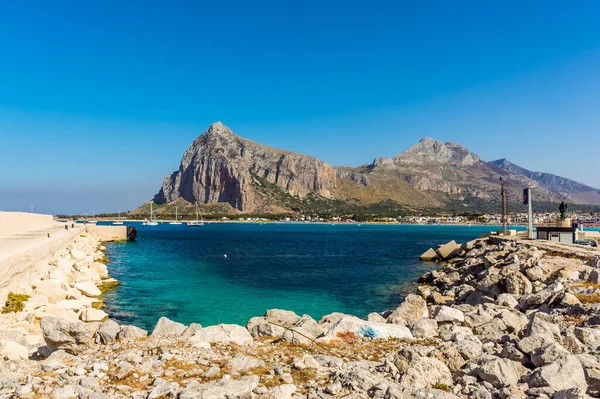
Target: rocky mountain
[(221, 168), (447, 172), (563, 187)]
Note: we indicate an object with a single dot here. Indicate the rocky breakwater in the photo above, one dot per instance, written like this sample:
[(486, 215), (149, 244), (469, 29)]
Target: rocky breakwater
[(498, 320), (69, 293)]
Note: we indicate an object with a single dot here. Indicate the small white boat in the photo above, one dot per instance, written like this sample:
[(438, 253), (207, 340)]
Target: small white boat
[(195, 223), (175, 222), (150, 222)]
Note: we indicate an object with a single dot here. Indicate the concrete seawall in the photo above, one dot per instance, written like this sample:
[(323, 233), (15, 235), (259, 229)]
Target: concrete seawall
[(25, 257), (108, 233), (21, 222), (33, 242)]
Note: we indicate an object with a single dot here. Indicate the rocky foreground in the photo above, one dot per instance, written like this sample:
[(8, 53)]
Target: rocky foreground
[(501, 319)]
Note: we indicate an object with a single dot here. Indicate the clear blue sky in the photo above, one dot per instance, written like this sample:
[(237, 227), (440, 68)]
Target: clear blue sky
[(99, 99)]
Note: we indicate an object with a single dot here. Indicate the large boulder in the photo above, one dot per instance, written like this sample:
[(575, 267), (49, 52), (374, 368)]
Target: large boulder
[(191, 330), (565, 373), (591, 368), (108, 332), (72, 336), (535, 341), (165, 328), (448, 314), (423, 328), (425, 372), (446, 250), (545, 295), (548, 354), (223, 333), (286, 325), (285, 391), (414, 307), (517, 284), (589, 337), (243, 363), (500, 372), (91, 315), (10, 350), (131, 332), (347, 327), (259, 327), (88, 288), (429, 255), (52, 289), (328, 321), (221, 389)]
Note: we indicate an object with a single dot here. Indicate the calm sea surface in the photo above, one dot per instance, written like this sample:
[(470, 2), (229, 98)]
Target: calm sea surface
[(230, 272)]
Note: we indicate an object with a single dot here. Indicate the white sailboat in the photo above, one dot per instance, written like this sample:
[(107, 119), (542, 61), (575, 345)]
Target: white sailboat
[(176, 221), (150, 222), (196, 223), (118, 222)]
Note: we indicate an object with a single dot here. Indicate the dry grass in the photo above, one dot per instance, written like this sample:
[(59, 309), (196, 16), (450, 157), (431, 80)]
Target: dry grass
[(588, 298), (132, 381), (589, 285), (574, 319)]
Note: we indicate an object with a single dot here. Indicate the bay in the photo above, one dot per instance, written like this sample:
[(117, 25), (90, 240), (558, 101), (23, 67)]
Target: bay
[(230, 272)]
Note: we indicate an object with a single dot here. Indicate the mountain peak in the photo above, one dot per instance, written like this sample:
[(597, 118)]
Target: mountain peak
[(431, 151), (217, 128)]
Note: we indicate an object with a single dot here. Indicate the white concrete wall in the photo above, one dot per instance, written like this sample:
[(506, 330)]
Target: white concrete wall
[(20, 268), (21, 222), (107, 233)]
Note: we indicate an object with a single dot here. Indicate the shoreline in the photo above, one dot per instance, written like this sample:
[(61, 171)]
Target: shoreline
[(500, 318)]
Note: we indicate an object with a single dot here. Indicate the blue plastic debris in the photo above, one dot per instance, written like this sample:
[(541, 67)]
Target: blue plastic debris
[(366, 331)]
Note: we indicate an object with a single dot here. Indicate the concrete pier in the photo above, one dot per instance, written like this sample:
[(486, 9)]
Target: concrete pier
[(28, 241)]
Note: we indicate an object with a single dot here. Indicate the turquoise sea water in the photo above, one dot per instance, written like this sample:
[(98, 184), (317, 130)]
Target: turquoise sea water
[(182, 273)]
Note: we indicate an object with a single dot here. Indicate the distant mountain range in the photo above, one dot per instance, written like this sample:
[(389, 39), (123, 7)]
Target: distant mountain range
[(564, 188), (232, 174)]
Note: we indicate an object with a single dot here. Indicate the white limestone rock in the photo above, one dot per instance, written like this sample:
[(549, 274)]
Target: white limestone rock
[(10, 350), (565, 373), (88, 288), (500, 372), (108, 331), (448, 314), (165, 327), (244, 363), (425, 372), (363, 328), (414, 307), (131, 332), (223, 333), (223, 388), (72, 336), (91, 315)]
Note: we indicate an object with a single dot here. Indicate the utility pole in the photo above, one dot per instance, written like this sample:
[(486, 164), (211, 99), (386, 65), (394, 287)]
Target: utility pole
[(527, 201), (504, 207)]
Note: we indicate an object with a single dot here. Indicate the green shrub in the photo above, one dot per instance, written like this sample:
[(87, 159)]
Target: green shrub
[(15, 302)]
